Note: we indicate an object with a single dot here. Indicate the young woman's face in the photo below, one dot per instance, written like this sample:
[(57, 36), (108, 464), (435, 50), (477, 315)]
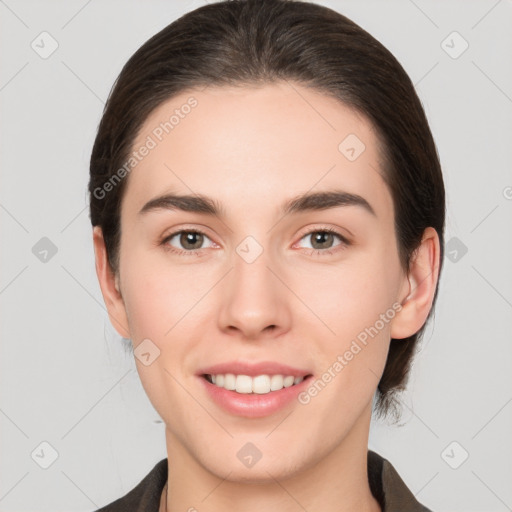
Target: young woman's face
[(260, 287)]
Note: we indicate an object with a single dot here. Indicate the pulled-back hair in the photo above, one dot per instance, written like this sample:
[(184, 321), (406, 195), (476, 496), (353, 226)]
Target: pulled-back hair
[(251, 42)]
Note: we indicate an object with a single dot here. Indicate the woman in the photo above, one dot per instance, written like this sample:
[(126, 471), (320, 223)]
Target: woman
[(268, 212)]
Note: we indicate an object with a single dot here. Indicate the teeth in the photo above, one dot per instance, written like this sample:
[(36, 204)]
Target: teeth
[(230, 381), (261, 385), (243, 384), (288, 381)]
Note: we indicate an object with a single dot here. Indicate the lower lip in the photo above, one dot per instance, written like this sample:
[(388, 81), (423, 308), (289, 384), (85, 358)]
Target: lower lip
[(253, 405)]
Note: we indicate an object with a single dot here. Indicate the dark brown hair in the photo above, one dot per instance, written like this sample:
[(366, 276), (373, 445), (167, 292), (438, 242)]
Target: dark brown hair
[(248, 42)]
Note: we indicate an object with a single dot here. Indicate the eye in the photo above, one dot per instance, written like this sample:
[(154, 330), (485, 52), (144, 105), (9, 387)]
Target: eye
[(321, 241), (190, 242), (187, 242)]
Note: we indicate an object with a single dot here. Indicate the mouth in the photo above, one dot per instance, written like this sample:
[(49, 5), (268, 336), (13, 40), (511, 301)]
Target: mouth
[(258, 385), (253, 390)]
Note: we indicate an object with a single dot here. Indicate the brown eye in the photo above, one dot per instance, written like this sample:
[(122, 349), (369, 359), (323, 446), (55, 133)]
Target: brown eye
[(191, 239), (185, 241), (321, 239), (324, 241)]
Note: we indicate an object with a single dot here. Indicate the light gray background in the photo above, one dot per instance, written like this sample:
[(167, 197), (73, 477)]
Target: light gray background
[(65, 376)]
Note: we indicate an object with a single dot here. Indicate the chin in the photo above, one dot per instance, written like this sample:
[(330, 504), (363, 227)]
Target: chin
[(276, 465)]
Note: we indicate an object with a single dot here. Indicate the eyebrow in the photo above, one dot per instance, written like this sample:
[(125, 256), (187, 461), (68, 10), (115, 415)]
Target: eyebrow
[(309, 201)]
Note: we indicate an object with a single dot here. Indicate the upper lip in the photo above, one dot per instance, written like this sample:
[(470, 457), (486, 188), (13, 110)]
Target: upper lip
[(253, 369)]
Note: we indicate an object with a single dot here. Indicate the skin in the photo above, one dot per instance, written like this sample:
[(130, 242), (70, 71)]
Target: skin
[(252, 148)]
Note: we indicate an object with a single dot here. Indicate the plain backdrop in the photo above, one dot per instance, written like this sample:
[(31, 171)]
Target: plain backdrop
[(65, 379)]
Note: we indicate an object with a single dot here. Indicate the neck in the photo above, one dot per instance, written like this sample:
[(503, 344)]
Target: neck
[(337, 482)]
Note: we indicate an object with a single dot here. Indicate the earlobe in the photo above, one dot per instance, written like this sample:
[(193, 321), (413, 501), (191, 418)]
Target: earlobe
[(109, 284), (422, 281)]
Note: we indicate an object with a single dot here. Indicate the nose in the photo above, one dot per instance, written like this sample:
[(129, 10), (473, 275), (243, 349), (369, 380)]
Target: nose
[(254, 302)]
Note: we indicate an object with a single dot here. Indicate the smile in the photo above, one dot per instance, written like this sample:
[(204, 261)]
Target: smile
[(260, 384)]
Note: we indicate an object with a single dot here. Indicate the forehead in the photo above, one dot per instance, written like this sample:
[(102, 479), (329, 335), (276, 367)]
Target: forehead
[(242, 145)]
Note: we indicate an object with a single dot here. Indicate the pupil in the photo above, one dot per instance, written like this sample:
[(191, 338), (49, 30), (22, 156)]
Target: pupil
[(321, 236), (188, 238)]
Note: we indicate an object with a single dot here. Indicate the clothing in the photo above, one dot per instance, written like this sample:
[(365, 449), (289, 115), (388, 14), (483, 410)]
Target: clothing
[(386, 486)]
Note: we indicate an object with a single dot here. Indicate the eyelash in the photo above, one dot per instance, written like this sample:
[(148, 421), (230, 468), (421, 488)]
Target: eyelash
[(197, 252)]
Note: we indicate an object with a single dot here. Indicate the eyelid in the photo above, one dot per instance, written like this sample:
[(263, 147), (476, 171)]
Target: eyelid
[(345, 241), (330, 229), (164, 241), (187, 229)]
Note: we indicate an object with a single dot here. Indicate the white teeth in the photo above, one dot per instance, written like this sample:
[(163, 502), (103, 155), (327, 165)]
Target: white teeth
[(288, 381), (230, 381), (261, 385), (276, 382), (243, 384)]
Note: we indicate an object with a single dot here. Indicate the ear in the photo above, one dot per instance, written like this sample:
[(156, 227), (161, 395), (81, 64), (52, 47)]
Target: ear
[(109, 284), (419, 288)]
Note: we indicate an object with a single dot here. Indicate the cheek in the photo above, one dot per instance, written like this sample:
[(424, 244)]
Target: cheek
[(352, 295), (159, 304), (354, 302), (157, 294)]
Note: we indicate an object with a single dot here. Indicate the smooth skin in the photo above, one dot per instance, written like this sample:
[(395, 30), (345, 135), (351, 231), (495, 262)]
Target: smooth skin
[(251, 149)]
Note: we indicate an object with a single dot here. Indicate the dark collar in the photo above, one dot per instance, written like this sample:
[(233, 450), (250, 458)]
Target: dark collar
[(385, 483)]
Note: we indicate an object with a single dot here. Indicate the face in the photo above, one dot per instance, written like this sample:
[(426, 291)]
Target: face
[(251, 281)]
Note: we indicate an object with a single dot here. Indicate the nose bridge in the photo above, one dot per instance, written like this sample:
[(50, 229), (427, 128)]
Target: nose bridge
[(251, 280), (253, 299)]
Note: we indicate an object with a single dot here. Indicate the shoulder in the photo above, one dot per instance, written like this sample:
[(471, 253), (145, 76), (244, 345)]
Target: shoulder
[(388, 487), (145, 495)]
